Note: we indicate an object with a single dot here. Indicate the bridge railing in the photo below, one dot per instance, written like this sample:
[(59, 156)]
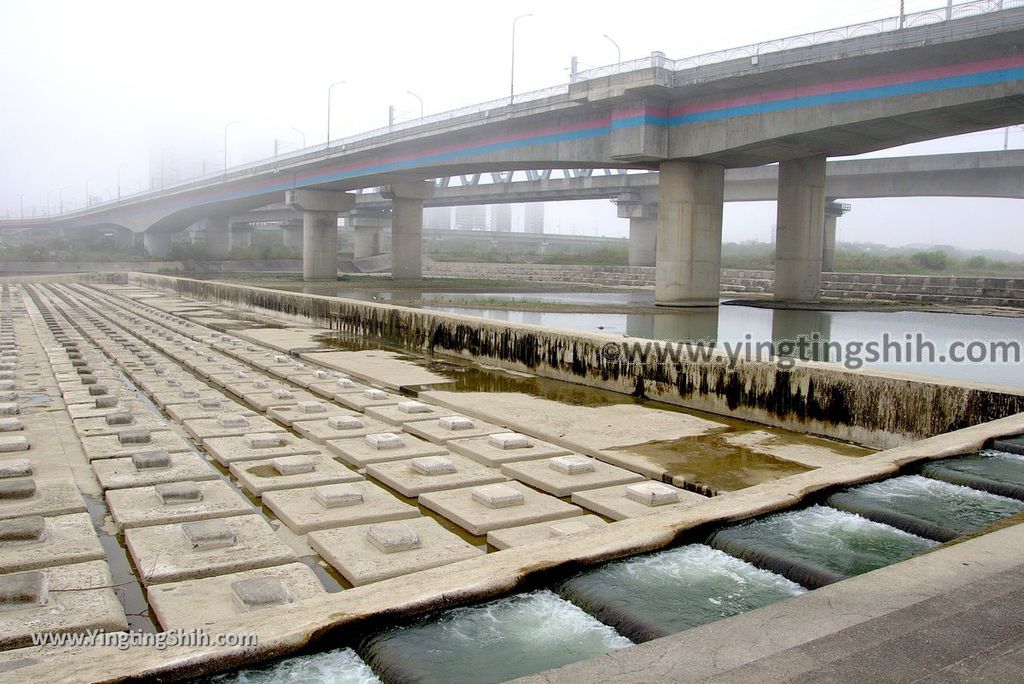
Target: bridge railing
[(657, 59)]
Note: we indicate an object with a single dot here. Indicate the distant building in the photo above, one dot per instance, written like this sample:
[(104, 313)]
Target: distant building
[(473, 217), (501, 218), (437, 218), (533, 216)]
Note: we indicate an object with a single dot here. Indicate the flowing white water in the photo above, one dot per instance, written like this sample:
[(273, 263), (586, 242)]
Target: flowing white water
[(340, 666)]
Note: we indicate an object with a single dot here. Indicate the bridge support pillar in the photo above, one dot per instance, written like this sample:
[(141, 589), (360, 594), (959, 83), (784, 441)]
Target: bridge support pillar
[(828, 245), (407, 227), (157, 244), (291, 234), (642, 211), (218, 236), (241, 236), (689, 242), (800, 229), (320, 211), (365, 241)]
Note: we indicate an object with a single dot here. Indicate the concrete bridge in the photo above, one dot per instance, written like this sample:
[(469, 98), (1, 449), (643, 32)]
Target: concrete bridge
[(870, 87)]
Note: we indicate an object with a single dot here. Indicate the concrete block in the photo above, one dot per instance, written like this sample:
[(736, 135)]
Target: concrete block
[(563, 475), (337, 496), (175, 493), (538, 532), (293, 465), (203, 429), (35, 542), (116, 421), (614, 502), (134, 436), (432, 473), (79, 600), (447, 428), (385, 440), (13, 443), (15, 467), (331, 388), (211, 601), (358, 556), (163, 553), (144, 506), (23, 590), (290, 414), (9, 408), (360, 452), (302, 511), (394, 414), (109, 446), (228, 450), (263, 475), (360, 401), (11, 490), (339, 427), (264, 401), (11, 425), (465, 508), (149, 468), (256, 593), (183, 412)]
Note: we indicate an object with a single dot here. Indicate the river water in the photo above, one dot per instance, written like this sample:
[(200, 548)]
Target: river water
[(919, 342)]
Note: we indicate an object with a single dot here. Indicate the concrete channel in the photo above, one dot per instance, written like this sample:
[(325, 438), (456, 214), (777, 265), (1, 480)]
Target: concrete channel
[(189, 455)]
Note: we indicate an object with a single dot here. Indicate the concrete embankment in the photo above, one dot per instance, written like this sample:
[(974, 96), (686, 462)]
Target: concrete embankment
[(876, 408)]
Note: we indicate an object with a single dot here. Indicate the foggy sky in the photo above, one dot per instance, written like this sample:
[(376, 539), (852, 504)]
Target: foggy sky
[(90, 86)]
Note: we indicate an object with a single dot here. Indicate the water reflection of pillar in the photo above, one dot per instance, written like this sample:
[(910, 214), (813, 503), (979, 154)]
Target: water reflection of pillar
[(533, 317), (694, 325), (789, 326)]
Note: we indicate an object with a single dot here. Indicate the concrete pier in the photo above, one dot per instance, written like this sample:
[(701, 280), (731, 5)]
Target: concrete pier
[(407, 227), (320, 230), (641, 208), (800, 229), (157, 244), (689, 242), (291, 235), (218, 235)]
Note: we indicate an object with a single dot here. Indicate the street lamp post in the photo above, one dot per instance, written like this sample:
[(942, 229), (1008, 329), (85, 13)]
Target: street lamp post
[(618, 50), (163, 164), (329, 89), (420, 100), (228, 125), (303, 136), (60, 195), (88, 202), (122, 166), (512, 76)]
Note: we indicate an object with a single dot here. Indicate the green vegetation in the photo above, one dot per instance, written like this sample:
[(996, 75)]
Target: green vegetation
[(600, 256), (860, 258)]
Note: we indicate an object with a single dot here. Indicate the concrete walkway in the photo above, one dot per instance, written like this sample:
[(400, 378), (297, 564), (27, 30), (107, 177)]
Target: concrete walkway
[(954, 615)]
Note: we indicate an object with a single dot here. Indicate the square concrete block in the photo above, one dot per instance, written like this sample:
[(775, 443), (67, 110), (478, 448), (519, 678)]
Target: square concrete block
[(290, 414), (213, 409), (449, 427), (228, 450), (147, 468), (432, 473), (339, 427), (264, 401), (302, 510), (15, 467), (163, 553), (189, 397), (228, 425), (35, 542), (356, 551), (110, 446), (207, 602), (563, 475), (261, 476), (115, 422), (465, 508), (254, 385), (381, 447), (100, 407), (531, 534), (175, 502), (11, 425), (331, 388), (406, 412), (617, 503), (360, 401), (52, 497), (78, 599)]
